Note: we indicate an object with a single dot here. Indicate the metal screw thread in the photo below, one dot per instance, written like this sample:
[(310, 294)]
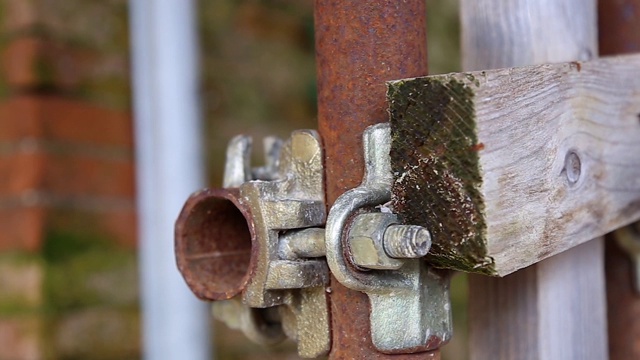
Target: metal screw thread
[(406, 241)]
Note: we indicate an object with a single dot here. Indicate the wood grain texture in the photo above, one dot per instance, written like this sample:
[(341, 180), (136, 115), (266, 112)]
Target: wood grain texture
[(552, 310), (519, 328), (505, 33), (509, 167)]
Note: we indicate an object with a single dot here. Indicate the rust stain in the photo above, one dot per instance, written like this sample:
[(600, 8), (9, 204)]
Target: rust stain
[(213, 244), (477, 147), (577, 65), (359, 46)]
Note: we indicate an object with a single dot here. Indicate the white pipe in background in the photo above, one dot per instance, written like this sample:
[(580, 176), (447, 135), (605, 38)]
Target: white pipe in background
[(169, 166)]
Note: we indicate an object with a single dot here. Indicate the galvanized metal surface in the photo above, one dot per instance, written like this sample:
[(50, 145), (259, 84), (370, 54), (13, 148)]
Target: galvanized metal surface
[(376, 241), (301, 244), (260, 325), (293, 201), (619, 33), (238, 170), (410, 306), (407, 241), (228, 242), (365, 242), (359, 46)]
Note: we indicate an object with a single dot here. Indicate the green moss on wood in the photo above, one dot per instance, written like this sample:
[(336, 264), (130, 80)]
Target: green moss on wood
[(434, 156)]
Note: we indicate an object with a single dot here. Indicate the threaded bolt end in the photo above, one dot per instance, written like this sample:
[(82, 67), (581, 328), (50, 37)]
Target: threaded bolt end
[(406, 241)]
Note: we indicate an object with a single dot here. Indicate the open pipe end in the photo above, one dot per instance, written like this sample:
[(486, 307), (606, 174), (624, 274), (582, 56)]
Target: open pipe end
[(213, 243)]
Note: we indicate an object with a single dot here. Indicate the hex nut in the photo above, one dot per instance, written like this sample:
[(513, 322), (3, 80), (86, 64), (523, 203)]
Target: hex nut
[(366, 241)]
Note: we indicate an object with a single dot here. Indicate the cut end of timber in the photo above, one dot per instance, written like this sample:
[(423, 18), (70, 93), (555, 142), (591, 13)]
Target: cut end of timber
[(509, 167), (436, 167)]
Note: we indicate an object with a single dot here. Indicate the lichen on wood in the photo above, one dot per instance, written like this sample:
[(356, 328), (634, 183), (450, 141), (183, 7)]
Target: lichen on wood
[(434, 157), (481, 159)]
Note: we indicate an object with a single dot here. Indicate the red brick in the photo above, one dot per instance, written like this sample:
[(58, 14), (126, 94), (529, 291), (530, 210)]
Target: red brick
[(67, 120), (74, 121), (21, 338), (67, 66), (20, 172), (18, 63), (21, 228), (118, 224), (31, 62), (80, 175), (19, 117)]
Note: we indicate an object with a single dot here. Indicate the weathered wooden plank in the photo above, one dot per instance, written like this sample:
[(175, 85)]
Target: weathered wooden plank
[(523, 323), (508, 167)]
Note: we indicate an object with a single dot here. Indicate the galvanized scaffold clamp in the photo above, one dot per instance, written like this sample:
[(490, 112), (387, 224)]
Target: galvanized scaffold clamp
[(410, 306), (259, 249), (255, 245)]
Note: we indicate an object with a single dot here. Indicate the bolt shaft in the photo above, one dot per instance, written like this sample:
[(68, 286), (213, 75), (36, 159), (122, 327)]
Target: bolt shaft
[(406, 241)]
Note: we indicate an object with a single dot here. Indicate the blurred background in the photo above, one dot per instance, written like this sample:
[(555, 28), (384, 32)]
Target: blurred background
[(69, 278)]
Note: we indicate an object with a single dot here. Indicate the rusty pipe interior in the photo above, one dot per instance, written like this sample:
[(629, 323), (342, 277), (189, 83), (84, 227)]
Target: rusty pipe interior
[(213, 244)]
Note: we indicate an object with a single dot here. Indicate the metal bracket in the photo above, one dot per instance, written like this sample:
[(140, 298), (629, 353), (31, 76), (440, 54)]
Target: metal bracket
[(268, 253), (257, 247), (410, 306)]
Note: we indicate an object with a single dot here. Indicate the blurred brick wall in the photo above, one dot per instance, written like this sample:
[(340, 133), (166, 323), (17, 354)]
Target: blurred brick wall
[(68, 286), (68, 277)]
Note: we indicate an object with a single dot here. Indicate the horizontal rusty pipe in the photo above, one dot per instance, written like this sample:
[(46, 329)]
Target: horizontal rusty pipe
[(213, 244)]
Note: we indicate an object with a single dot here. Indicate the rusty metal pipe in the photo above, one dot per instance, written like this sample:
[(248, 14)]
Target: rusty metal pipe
[(618, 26), (214, 237), (619, 33), (359, 46)]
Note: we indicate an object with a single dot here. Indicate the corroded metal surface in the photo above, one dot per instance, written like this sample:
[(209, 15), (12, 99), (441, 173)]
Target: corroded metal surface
[(213, 243), (619, 33), (618, 26), (359, 46)]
